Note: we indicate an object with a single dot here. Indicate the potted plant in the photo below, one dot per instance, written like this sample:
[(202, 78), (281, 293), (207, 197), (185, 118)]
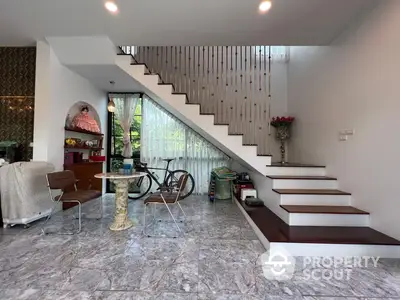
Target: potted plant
[(282, 133)]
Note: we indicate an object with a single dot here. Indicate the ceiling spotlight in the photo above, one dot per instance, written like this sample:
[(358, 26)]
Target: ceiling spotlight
[(265, 6), (111, 7)]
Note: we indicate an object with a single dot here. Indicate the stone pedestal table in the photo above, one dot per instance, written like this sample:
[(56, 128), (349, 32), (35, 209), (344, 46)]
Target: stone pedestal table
[(121, 220)]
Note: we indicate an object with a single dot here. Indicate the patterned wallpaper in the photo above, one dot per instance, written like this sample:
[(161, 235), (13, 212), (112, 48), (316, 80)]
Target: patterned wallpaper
[(17, 78)]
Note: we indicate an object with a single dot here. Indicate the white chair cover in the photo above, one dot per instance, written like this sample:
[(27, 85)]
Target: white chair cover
[(23, 191)]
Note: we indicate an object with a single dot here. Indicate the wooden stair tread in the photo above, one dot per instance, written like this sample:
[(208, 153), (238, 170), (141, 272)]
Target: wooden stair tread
[(276, 230), (310, 192), (323, 209), (294, 165), (301, 177)]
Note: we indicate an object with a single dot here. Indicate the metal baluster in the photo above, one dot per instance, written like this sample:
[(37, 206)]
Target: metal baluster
[(251, 98), (208, 90), (218, 97), (213, 89), (246, 90), (190, 74), (226, 99), (185, 70), (202, 87), (269, 99), (197, 73), (231, 97), (237, 117)]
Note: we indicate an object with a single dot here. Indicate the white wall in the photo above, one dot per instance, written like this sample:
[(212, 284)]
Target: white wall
[(353, 84), (57, 89)]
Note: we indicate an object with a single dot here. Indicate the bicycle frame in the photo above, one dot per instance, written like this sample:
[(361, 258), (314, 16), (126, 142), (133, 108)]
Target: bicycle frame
[(153, 177)]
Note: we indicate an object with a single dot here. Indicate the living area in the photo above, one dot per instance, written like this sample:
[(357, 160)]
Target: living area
[(168, 172)]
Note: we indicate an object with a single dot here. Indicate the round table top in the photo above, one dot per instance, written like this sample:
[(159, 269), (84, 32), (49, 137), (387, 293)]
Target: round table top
[(114, 175)]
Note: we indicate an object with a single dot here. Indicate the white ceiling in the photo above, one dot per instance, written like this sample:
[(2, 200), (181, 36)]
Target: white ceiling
[(180, 22)]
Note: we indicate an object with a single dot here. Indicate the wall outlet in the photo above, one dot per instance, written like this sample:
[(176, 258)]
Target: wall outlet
[(343, 138), (349, 132)]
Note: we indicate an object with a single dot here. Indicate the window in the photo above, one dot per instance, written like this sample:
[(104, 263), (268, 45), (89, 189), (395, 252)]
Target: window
[(116, 135), (278, 53)]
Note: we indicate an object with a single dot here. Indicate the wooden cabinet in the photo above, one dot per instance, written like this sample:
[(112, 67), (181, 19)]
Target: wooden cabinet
[(85, 172)]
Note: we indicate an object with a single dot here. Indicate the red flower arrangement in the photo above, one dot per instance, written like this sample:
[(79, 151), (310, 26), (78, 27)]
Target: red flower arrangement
[(281, 121)]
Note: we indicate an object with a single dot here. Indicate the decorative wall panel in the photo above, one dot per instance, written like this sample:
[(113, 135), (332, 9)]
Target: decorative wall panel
[(17, 78)]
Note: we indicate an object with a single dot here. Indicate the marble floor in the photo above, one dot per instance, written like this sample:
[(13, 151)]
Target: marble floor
[(215, 260)]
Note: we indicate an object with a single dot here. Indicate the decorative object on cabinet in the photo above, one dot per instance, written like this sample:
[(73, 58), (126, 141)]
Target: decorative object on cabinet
[(84, 121)]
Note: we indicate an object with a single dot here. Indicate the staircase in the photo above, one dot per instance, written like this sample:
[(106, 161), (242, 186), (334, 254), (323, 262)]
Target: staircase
[(303, 206), (298, 195)]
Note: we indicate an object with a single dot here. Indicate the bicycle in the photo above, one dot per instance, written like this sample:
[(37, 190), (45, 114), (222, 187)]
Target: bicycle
[(170, 180)]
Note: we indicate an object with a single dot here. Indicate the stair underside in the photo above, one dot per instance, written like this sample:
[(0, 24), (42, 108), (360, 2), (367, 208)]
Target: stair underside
[(309, 192), (300, 177), (276, 230), (323, 209)]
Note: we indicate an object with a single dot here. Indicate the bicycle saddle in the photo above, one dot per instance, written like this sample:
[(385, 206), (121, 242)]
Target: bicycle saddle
[(168, 159)]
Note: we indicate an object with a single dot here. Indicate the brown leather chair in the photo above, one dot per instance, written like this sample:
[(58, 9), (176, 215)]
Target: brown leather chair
[(167, 195), (65, 181)]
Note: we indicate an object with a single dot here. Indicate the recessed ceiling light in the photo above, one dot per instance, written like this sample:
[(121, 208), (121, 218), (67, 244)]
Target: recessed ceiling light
[(111, 7), (265, 6)]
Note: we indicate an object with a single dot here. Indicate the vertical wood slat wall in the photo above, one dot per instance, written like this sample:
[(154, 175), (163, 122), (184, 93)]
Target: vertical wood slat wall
[(228, 81)]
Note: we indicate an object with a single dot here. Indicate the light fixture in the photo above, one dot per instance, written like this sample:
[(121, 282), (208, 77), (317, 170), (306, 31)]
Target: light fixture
[(111, 106), (111, 7), (265, 6)]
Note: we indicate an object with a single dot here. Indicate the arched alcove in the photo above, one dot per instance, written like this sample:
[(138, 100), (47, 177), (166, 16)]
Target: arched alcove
[(76, 108)]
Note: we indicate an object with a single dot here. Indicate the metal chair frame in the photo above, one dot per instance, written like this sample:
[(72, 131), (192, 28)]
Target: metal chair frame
[(178, 191), (58, 201)]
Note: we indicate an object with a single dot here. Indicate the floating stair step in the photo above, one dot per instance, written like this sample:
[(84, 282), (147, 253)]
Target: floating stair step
[(323, 209), (295, 165), (288, 177), (276, 230), (294, 169), (290, 182), (309, 192)]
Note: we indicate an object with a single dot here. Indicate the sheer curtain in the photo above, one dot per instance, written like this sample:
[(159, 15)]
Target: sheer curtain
[(164, 136), (125, 107)]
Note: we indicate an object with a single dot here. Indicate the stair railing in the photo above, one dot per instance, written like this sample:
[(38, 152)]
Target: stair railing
[(231, 82)]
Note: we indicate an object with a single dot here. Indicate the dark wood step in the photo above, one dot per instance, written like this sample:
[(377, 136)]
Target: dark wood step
[(276, 230), (323, 209), (301, 177), (293, 165), (309, 192)]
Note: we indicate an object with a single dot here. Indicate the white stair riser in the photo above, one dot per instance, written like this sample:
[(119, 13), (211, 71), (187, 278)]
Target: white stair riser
[(289, 171), (296, 219), (304, 184), (333, 200), (337, 250)]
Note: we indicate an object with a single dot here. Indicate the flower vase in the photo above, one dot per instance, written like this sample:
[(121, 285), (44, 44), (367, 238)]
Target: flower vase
[(283, 134)]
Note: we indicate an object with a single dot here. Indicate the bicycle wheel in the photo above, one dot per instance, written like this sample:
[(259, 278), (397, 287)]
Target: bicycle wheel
[(173, 177), (142, 186)]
